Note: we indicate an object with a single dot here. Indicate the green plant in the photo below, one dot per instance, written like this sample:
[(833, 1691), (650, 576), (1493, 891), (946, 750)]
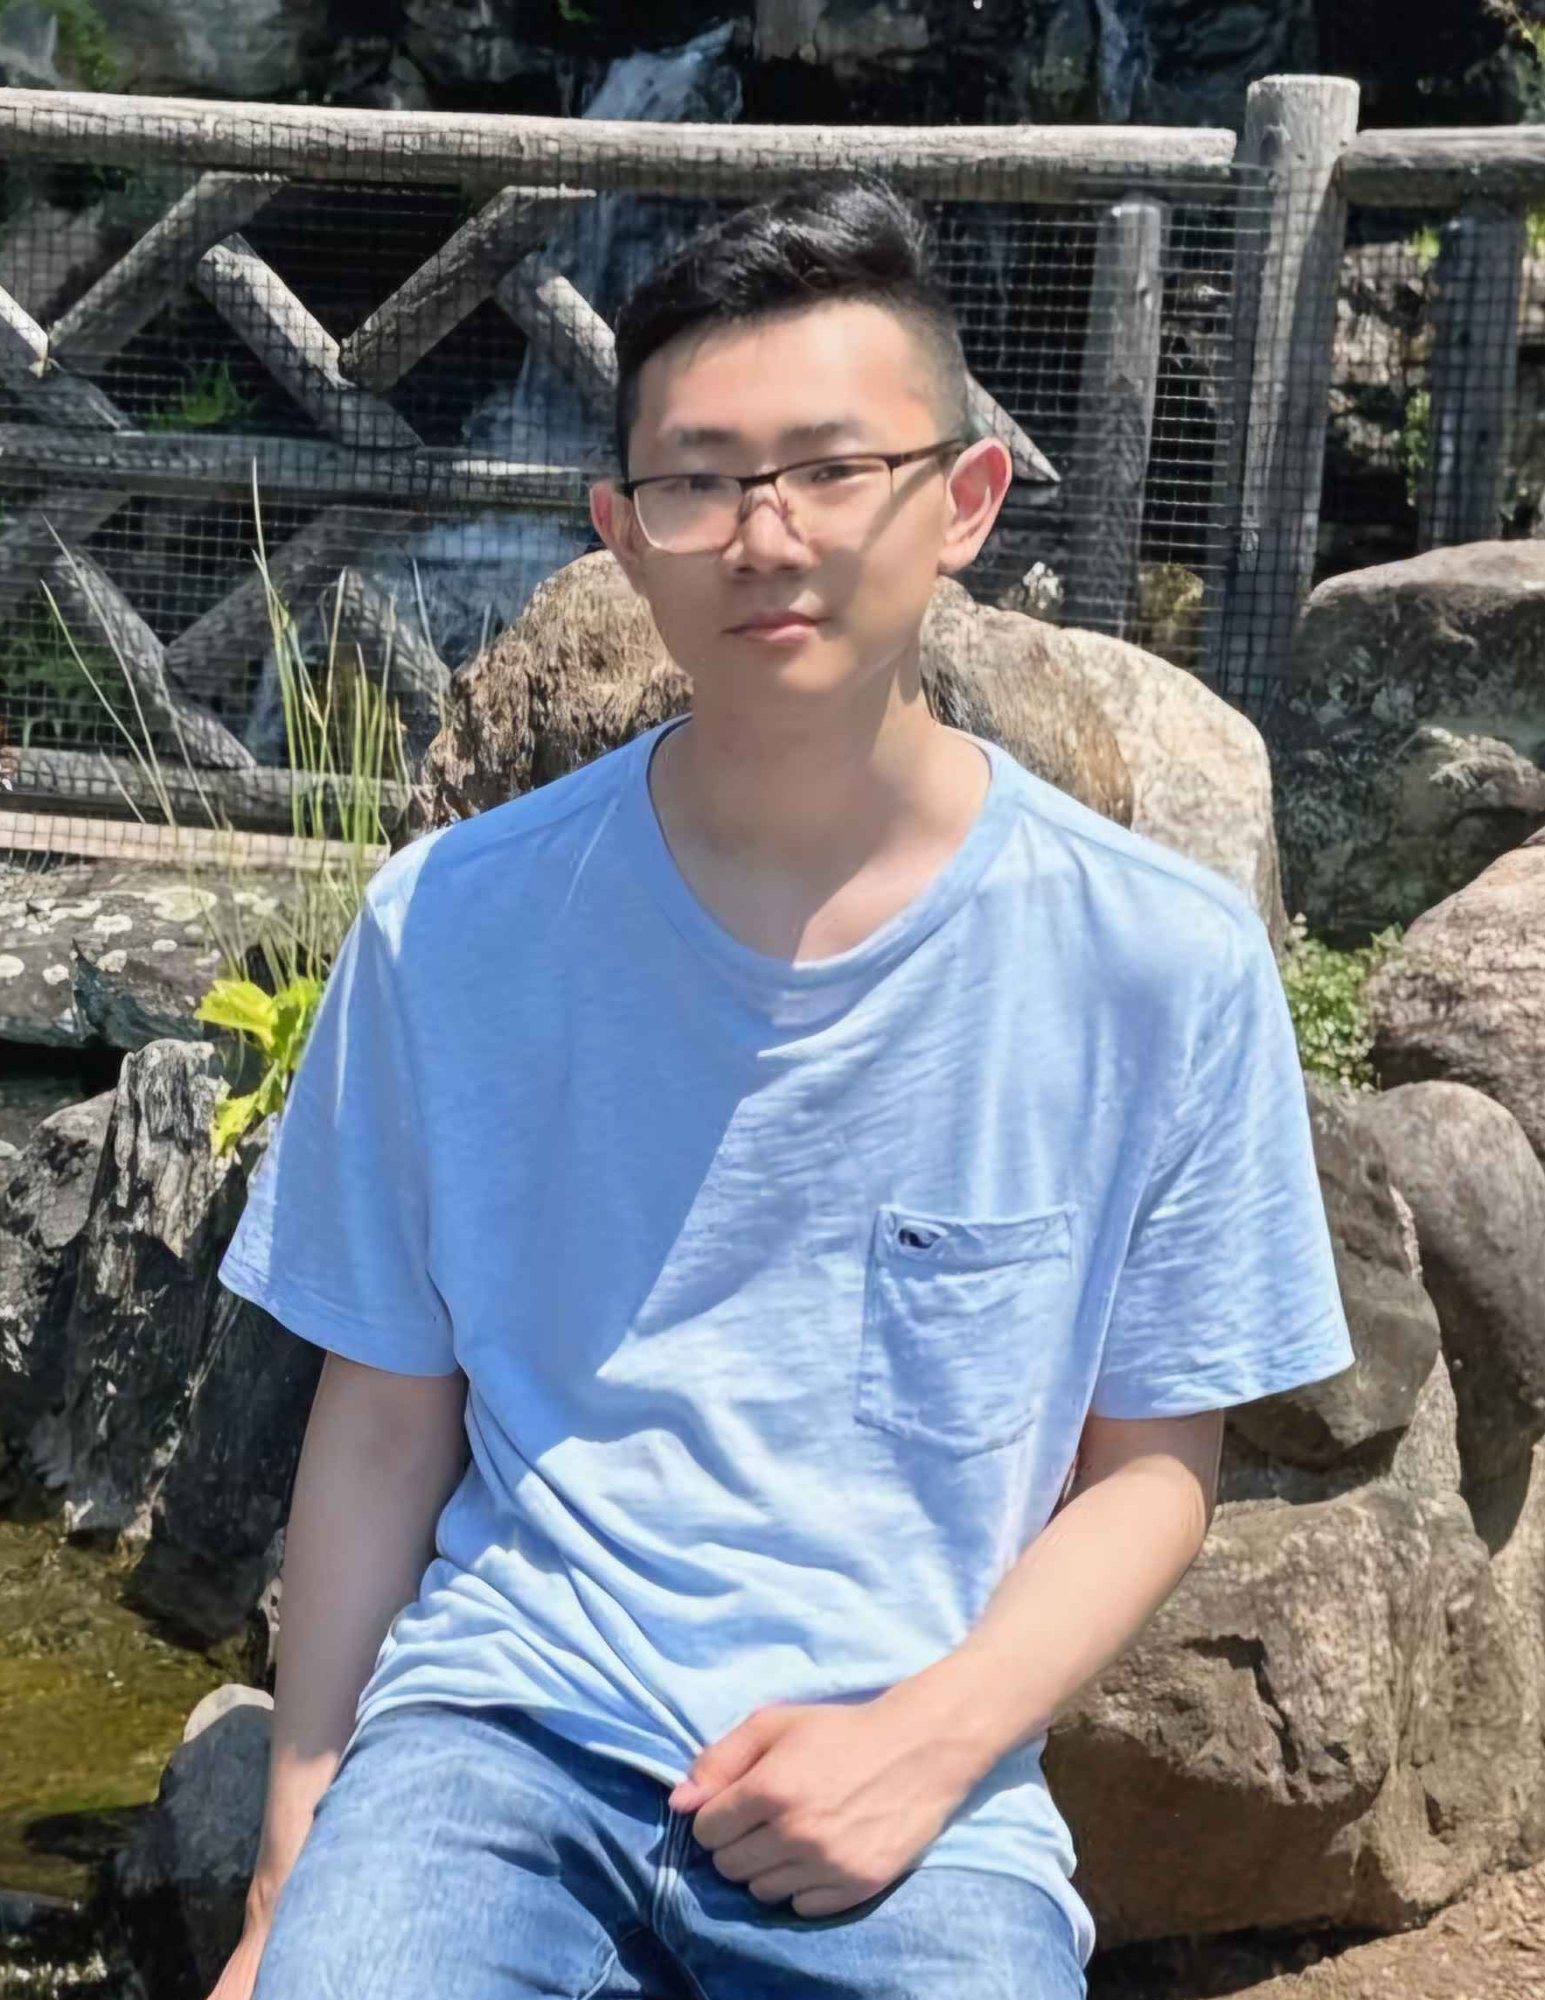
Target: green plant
[(209, 397), (46, 686), (1327, 998), (277, 1024), (344, 743), (1425, 246), (569, 12), (1416, 441), (85, 47)]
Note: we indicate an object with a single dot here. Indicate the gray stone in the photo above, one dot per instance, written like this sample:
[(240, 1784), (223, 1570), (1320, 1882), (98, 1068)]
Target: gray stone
[(1464, 1002), (1393, 1325), (1478, 1195), (259, 49), (1325, 1724), (177, 1426), (45, 1201), (179, 1887), (1408, 748), (469, 43)]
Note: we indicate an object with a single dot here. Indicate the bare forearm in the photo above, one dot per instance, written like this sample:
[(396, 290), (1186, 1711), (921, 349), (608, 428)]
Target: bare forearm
[(1074, 1601), (360, 1535)]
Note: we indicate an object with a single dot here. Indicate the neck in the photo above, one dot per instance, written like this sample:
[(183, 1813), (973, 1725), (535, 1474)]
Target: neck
[(810, 795)]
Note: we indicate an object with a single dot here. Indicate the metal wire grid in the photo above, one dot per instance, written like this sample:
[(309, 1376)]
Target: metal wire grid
[(202, 320), (1410, 408)]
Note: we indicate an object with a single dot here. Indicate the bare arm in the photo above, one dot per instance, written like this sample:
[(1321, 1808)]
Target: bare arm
[(382, 1454), (1133, 1523)]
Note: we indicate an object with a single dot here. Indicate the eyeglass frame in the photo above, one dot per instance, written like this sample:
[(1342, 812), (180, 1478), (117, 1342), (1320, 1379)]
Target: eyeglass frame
[(746, 480)]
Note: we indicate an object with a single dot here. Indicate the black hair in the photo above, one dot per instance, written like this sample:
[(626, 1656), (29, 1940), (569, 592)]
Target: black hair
[(852, 236)]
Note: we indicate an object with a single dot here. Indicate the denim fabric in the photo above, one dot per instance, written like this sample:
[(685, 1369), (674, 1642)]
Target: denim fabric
[(473, 1854)]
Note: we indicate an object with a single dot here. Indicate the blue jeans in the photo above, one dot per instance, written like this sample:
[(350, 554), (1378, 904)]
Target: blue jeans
[(473, 1854)]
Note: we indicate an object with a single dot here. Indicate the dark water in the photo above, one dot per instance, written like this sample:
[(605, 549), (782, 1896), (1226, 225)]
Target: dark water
[(92, 1704)]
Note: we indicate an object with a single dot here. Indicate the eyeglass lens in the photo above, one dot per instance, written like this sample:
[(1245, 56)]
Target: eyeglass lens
[(836, 499)]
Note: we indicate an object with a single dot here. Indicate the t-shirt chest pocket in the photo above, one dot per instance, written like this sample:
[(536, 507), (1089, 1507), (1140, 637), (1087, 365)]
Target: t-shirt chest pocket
[(963, 1324)]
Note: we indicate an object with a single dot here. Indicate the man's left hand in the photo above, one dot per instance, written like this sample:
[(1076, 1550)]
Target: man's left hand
[(827, 1802)]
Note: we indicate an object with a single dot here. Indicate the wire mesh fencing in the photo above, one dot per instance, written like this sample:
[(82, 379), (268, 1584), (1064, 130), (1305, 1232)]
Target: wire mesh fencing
[(393, 374)]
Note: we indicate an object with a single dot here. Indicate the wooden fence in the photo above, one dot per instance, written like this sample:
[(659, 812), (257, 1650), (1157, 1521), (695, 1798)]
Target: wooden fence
[(1300, 147)]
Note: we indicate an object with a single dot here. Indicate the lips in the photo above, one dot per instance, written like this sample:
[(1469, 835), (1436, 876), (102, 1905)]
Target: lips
[(771, 621)]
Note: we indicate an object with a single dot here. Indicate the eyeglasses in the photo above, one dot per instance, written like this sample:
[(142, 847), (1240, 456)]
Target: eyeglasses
[(835, 500)]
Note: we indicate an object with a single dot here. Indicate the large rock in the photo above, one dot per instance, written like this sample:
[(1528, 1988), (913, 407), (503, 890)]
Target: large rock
[(1465, 1001), (176, 1427), (179, 1887), (45, 1201), (1393, 1324), (109, 952), (1325, 1724), (1477, 1194), (583, 670), (1408, 747), (259, 49)]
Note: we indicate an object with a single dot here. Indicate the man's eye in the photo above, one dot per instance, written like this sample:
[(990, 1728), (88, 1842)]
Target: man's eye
[(692, 482), (837, 470)]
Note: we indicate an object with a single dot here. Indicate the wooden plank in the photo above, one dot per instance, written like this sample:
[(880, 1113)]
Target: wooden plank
[(1011, 163), (1117, 387), (1474, 382), (266, 798), (30, 539), (1030, 462), (124, 298), (1297, 127), (232, 631), (452, 283), (1445, 168), (159, 845), (52, 395), (295, 347), (389, 641), (562, 324), (207, 467), (96, 611)]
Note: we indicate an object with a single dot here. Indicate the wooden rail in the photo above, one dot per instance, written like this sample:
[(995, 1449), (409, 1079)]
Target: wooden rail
[(168, 846), (1445, 169), (1009, 163)]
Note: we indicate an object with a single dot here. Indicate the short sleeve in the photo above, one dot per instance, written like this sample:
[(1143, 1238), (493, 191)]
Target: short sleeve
[(333, 1240), (1228, 1290)]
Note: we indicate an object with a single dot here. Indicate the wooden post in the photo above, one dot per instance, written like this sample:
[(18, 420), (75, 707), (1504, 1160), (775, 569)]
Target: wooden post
[(1115, 415), (1296, 128), (1474, 375)]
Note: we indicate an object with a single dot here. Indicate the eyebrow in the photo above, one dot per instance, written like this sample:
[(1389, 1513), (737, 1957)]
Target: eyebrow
[(696, 436)]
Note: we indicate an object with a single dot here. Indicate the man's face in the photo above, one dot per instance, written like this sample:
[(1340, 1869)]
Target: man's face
[(835, 378)]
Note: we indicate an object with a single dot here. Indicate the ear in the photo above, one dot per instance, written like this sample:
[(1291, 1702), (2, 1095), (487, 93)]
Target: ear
[(613, 519), (978, 482)]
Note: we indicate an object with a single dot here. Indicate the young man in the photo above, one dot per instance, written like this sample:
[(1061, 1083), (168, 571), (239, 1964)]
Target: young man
[(788, 1148)]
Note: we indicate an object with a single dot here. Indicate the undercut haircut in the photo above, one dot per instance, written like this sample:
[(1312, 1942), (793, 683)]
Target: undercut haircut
[(850, 237)]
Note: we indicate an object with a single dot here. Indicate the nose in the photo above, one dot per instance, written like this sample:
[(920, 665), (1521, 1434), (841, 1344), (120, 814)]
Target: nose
[(764, 538)]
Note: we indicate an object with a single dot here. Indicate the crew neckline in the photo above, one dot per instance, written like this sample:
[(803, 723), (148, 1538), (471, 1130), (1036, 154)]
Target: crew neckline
[(891, 941)]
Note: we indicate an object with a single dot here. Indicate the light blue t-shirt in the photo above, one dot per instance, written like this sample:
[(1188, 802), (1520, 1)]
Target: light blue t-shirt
[(783, 1290)]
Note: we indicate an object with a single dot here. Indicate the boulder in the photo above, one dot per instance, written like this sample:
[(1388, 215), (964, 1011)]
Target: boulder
[(261, 49), (1393, 1324), (45, 1201), (583, 669), (177, 1426), (1409, 743), (1477, 1194), (108, 952), (1325, 1724), (179, 1887), (1464, 1002)]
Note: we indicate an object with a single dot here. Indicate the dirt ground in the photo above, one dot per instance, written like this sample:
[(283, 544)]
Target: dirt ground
[(1489, 1946)]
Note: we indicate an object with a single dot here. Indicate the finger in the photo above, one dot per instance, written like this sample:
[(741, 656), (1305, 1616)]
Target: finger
[(778, 1884), (826, 1902), (732, 1814), (726, 1760), (756, 1853)]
